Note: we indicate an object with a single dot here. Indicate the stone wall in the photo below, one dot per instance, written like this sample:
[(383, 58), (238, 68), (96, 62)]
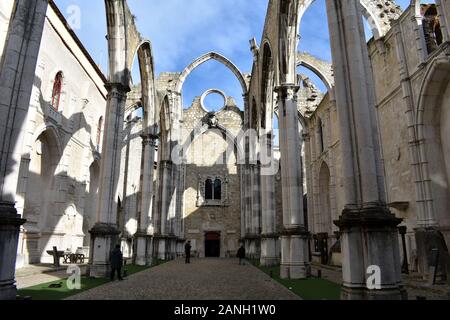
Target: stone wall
[(61, 147), (210, 156), (400, 73)]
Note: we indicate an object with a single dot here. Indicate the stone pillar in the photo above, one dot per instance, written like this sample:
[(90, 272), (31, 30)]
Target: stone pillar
[(162, 236), (443, 8), (368, 229), (104, 234), (269, 236), (294, 241), (17, 75), (255, 213), (145, 233)]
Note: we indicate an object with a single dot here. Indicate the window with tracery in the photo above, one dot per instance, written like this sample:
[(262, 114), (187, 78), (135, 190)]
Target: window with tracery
[(212, 191)]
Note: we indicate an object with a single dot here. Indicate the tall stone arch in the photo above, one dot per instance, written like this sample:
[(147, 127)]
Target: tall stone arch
[(323, 69), (124, 43), (211, 56), (434, 85), (433, 163), (379, 14)]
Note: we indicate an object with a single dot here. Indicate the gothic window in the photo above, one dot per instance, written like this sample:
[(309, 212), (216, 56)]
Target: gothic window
[(209, 189), (431, 27), (99, 131), (57, 89), (320, 135), (212, 191), (217, 189)]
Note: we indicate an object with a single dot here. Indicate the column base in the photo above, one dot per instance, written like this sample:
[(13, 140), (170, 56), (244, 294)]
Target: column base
[(165, 247), (348, 293), (10, 223), (104, 237), (295, 262), (252, 246), (144, 249), (371, 265), (269, 251), (180, 247)]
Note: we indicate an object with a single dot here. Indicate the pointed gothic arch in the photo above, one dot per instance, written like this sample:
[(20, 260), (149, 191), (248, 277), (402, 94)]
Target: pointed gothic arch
[(211, 56), (378, 14), (322, 69)]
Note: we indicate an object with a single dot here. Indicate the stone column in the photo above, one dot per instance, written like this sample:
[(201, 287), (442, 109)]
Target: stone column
[(162, 236), (269, 236), (17, 75), (145, 233), (443, 11), (104, 234), (368, 229), (294, 240), (255, 212)]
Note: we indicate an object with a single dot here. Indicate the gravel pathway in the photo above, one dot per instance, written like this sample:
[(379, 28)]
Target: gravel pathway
[(203, 279)]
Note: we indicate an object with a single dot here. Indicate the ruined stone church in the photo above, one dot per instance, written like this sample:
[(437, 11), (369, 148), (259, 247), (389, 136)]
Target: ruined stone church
[(359, 178)]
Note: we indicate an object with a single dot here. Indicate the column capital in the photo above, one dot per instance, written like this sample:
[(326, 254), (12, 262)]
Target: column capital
[(173, 93), (287, 91), (306, 136), (166, 164), (149, 139), (117, 90)]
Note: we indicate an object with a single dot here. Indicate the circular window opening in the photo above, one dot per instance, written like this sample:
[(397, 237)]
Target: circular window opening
[(213, 100)]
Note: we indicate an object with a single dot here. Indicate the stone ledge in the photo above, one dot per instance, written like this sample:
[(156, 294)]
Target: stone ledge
[(104, 229), (377, 216)]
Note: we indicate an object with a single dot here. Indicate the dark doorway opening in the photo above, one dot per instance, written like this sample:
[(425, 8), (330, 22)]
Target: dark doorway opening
[(212, 245)]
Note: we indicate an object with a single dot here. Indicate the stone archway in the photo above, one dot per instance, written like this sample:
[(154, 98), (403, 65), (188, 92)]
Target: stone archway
[(323, 69), (211, 56), (379, 14)]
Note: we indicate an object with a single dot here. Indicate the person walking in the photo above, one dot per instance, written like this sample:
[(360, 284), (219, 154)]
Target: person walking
[(116, 263), (241, 255), (187, 251)]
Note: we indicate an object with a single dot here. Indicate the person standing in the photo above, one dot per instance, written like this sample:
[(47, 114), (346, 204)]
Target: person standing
[(187, 251), (116, 263), (241, 255)]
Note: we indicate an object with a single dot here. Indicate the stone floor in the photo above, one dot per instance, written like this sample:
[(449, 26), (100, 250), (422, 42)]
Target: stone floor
[(203, 279)]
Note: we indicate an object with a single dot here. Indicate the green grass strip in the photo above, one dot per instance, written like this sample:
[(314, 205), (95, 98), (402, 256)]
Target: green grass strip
[(308, 289)]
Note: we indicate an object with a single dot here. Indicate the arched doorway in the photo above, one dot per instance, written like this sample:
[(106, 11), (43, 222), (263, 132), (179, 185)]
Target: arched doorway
[(212, 244)]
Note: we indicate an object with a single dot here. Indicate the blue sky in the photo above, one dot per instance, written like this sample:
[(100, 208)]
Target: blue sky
[(181, 31)]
